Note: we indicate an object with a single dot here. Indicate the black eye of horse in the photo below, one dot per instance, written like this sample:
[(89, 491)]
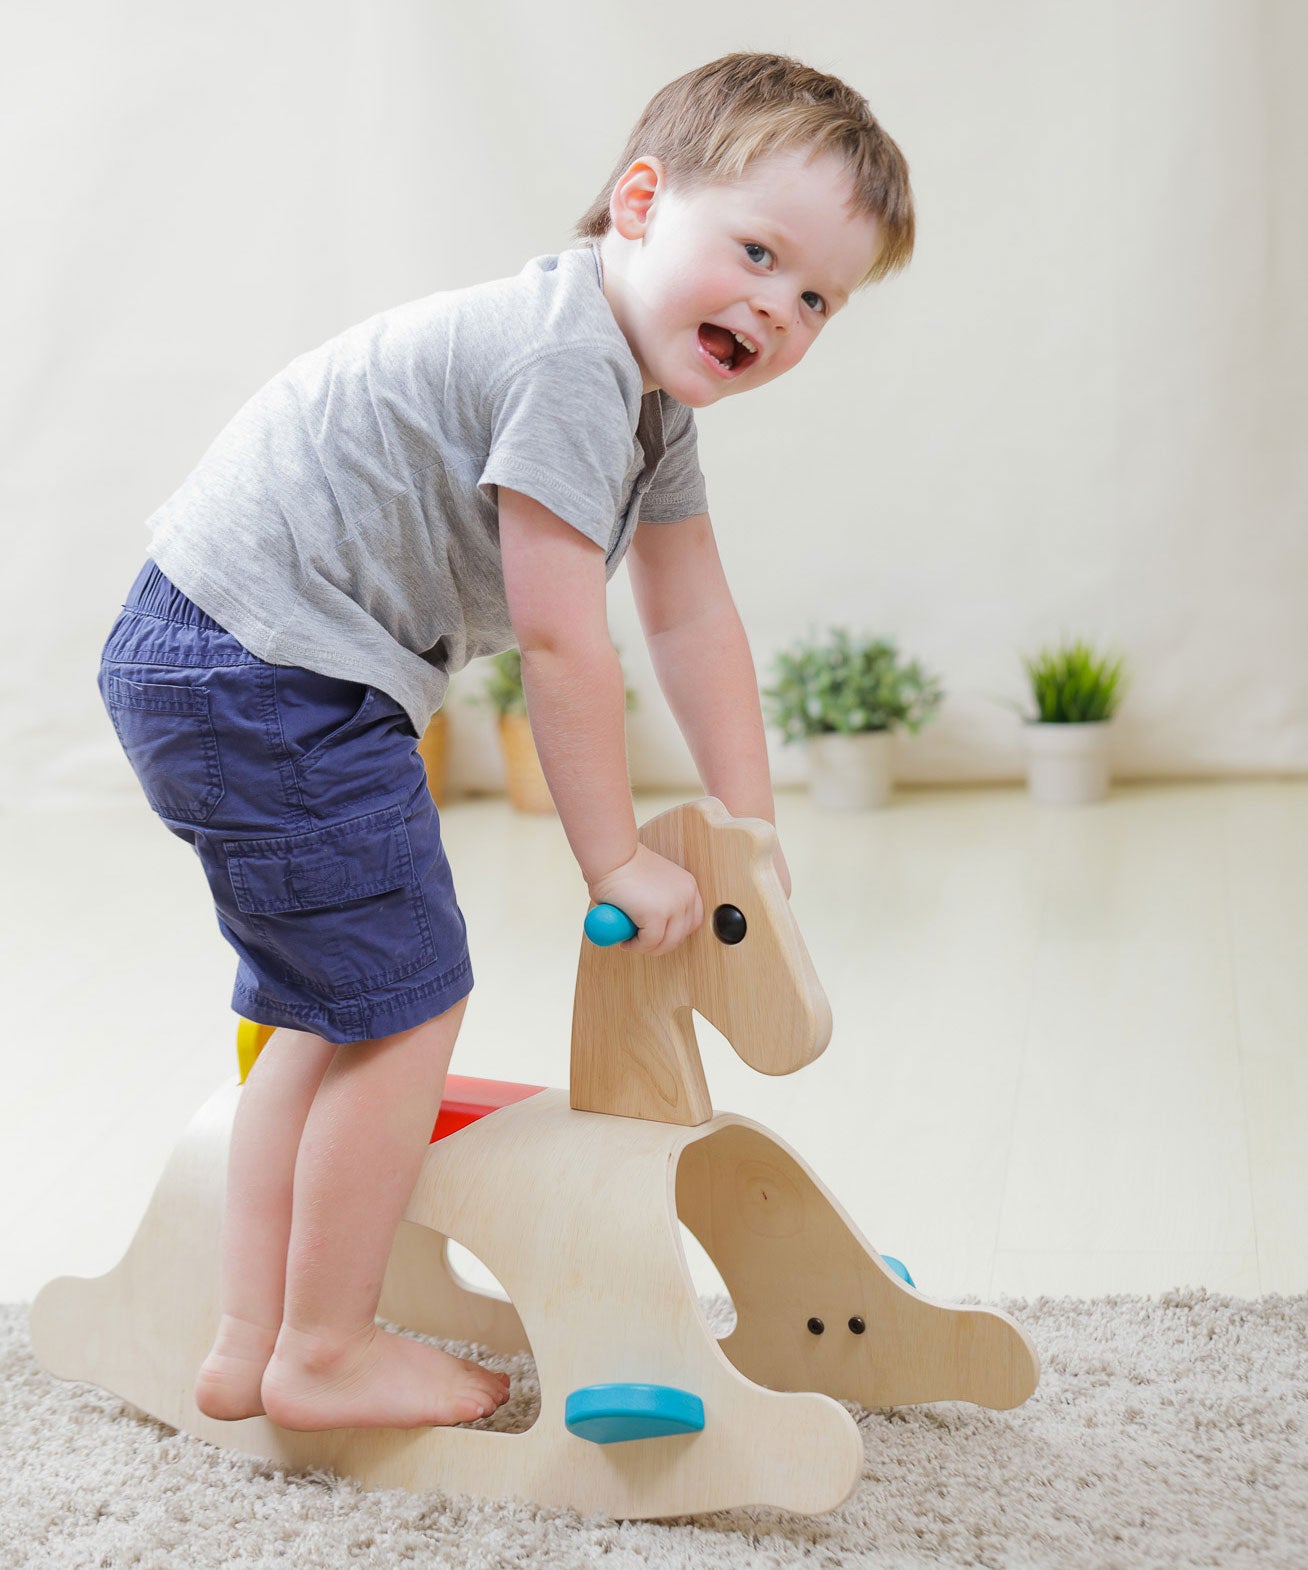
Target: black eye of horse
[(729, 925)]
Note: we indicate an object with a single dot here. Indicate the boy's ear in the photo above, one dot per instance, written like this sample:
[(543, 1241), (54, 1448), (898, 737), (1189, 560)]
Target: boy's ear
[(633, 196)]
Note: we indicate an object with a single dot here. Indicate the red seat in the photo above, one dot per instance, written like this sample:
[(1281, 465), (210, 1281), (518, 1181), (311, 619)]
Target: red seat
[(466, 1100)]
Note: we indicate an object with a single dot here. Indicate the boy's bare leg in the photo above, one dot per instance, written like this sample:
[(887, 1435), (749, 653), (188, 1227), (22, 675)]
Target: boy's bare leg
[(363, 1143), (270, 1114)]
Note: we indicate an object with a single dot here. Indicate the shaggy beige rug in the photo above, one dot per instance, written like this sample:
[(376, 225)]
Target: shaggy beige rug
[(1165, 1432)]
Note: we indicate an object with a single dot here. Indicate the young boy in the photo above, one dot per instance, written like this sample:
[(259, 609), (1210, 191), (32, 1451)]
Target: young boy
[(444, 480)]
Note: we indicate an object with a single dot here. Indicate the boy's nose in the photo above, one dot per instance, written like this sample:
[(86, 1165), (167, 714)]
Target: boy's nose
[(772, 321)]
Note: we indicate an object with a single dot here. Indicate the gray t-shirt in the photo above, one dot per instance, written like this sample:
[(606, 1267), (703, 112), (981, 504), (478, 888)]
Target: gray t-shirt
[(346, 519)]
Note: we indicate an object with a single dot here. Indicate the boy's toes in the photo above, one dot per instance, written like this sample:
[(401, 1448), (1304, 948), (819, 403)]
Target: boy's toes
[(497, 1394), (487, 1381), (475, 1408)]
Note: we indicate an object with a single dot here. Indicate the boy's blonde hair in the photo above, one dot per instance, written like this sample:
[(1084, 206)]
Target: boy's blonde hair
[(709, 126)]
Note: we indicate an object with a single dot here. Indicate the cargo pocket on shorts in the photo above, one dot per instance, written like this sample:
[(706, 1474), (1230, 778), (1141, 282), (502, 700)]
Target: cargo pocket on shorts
[(168, 736), (337, 909)]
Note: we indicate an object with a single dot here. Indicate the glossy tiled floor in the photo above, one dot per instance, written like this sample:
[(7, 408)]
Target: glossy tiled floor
[(1070, 1050)]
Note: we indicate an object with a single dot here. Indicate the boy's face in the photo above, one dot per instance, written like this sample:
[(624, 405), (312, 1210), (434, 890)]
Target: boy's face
[(773, 256)]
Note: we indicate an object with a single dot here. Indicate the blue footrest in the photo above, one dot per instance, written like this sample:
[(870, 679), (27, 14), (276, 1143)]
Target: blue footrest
[(612, 1414)]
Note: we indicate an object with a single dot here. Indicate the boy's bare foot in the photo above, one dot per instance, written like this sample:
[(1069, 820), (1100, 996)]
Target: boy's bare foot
[(227, 1385), (374, 1380)]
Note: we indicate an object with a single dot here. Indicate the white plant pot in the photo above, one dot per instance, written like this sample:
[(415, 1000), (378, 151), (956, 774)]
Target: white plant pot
[(1067, 765), (847, 773)]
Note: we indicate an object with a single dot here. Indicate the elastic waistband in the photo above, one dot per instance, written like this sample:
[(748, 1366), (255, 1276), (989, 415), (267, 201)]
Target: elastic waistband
[(154, 595)]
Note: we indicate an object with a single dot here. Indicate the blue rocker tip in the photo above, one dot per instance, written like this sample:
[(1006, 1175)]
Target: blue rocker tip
[(613, 1414)]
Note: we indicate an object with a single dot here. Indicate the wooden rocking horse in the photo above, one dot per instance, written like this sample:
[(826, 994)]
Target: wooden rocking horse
[(574, 1203)]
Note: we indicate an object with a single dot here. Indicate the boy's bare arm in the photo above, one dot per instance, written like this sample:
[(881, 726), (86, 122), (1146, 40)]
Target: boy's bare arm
[(555, 583), (702, 660)]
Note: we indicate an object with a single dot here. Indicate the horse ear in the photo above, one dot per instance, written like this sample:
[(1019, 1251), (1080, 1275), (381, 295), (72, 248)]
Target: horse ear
[(761, 835)]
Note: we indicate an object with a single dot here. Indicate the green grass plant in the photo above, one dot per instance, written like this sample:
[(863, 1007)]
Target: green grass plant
[(1073, 685)]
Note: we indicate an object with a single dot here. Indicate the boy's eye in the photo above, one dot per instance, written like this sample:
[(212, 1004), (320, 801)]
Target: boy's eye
[(820, 305)]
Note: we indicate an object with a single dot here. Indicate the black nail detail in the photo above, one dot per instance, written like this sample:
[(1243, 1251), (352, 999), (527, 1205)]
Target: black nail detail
[(729, 924), (816, 1325)]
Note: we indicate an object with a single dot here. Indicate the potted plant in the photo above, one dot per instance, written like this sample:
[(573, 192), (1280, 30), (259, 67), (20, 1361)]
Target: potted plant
[(503, 692), (1076, 693), (842, 697)]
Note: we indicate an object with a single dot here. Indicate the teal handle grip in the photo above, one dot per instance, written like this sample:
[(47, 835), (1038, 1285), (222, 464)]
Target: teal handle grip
[(606, 925)]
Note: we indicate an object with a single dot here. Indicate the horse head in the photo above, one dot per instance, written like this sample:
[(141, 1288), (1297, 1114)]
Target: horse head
[(745, 969)]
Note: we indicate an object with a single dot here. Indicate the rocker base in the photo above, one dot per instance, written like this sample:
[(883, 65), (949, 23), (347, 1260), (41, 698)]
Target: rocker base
[(603, 1236)]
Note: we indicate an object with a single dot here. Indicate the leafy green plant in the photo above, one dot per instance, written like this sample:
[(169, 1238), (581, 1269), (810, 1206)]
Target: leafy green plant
[(848, 685), (503, 690), (1072, 685)]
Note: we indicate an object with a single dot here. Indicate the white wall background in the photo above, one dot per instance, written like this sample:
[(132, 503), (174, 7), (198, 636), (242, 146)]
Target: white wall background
[(1082, 410)]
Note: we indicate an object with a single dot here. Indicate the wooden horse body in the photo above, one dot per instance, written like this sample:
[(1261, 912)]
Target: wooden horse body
[(576, 1208)]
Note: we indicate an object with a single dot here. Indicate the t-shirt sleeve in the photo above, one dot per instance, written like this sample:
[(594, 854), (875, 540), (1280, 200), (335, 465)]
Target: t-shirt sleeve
[(678, 490), (561, 433)]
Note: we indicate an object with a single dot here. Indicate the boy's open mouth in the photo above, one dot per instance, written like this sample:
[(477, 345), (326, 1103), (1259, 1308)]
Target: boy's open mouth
[(724, 347)]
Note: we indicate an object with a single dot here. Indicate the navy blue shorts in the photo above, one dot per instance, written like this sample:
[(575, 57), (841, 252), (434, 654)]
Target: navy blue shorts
[(307, 803)]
